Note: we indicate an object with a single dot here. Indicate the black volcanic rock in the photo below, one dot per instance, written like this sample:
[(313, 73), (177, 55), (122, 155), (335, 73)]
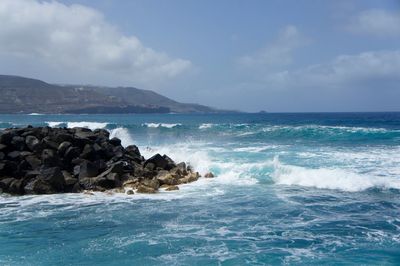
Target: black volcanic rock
[(56, 160)]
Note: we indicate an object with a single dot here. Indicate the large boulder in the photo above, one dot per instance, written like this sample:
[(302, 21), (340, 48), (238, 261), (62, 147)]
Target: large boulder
[(7, 168), (6, 182), (165, 178), (88, 169), (145, 189), (39, 186), (33, 161), (54, 177), (63, 147), (158, 161), (6, 137), (49, 158), (16, 187), (115, 141), (31, 142), (18, 143)]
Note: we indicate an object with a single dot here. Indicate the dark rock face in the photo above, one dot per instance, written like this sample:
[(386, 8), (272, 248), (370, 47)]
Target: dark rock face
[(46, 160)]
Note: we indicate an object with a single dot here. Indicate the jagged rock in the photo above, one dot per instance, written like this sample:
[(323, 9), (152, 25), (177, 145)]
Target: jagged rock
[(16, 187), (144, 189), (69, 180), (88, 169), (158, 161), (39, 186), (181, 166), (6, 137), (14, 155), (18, 143), (31, 142), (115, 141), (209, 175), (24, 154), (48, 143), (63, 147), (191, 177), (167, 179), (7, 168), (49, 158), (171, 188), (53, 176), (109, 181), (63, 137), (131, 184), (71, 153), (54, 160), (88, 152), (152, 183), (133, 150), (170, 163), (6, 182), (33, 161), (150, 166)]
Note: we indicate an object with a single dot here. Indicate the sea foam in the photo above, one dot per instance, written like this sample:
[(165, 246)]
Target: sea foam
[(330, 178), (123, 135), (90, 125), (158, 125)]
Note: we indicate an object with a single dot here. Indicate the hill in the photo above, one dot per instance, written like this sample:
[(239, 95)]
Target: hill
[(26, 95)]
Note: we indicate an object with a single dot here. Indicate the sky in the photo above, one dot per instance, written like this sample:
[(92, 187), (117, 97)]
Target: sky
[(276, 55)]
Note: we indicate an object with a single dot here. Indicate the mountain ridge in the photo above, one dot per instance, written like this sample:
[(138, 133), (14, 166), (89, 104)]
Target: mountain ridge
[(28, 95)]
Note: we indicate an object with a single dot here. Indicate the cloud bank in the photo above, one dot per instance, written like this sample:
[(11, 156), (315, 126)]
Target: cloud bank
[(78, 38), (376, 22), (343, 72)]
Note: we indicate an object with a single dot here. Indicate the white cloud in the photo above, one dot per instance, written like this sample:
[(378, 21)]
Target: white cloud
[(79, 38), (278, 53), (376, 22), (344, 72)]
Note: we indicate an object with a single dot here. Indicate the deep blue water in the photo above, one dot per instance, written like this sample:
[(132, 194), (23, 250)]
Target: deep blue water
[(290, 189)]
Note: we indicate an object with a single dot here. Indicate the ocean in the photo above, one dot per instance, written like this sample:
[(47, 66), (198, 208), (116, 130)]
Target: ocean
[(296, 189)]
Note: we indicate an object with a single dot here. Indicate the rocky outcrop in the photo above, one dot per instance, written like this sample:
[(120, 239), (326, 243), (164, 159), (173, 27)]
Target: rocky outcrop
[(44, 160)]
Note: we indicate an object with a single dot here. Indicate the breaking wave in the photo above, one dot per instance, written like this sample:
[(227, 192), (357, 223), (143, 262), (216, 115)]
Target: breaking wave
[(158, 125), (330, 178), (90, 125), (123, 134)]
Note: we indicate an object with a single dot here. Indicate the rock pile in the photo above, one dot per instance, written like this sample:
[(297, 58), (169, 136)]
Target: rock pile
[(44, 160)]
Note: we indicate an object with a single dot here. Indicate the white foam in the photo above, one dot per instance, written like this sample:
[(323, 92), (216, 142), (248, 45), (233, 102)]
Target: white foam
[(197, 155), (347, 129), (35, 114), (255, 149), (123, 135), (205, 126), (54, 124), (90, 125), (157, 125), (330, 178)]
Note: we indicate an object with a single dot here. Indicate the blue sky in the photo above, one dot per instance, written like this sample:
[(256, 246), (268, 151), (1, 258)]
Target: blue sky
[(279, 56)]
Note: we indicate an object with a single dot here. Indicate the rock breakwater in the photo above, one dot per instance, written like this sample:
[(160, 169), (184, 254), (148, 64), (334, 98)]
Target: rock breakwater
[(44, 160)]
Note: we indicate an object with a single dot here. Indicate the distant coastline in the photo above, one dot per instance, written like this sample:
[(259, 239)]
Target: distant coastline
[(21, 95)]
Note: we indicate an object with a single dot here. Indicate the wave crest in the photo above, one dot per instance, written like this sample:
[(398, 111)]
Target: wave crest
[(326, 178), (158, 125)]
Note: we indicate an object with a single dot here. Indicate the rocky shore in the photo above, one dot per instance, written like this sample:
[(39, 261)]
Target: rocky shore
[(44, 160)]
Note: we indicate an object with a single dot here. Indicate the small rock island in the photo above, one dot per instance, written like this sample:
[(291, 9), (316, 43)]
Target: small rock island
[(45, 160)]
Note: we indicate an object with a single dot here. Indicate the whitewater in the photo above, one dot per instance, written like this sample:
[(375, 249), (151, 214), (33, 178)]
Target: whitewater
[(289, 189)]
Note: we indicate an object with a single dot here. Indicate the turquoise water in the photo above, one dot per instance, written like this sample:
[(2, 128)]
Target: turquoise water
[(290, 189)]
